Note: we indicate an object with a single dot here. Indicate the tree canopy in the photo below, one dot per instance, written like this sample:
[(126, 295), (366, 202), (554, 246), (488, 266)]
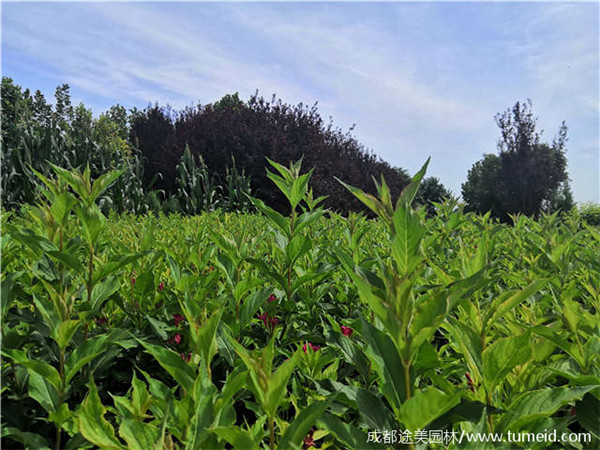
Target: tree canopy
[(527, 176)]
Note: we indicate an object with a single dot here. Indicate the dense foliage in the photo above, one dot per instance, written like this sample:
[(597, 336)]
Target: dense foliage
[(305, 330), (228, 142), (527, 177), (249, 132)]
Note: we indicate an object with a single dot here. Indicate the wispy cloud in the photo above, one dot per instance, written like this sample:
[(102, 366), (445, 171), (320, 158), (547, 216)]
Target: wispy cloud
[(417, 79)]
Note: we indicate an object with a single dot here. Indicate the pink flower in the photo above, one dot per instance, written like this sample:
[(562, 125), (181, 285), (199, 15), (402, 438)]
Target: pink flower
[(186, 358), (271, 298), (161, 286), (346, 331), (176, 339), (178, 318)]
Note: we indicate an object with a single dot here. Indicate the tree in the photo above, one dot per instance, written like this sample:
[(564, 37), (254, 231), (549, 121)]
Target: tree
[(249, 132), (431, 191), (526, 175), (531, 171), (480, 190)]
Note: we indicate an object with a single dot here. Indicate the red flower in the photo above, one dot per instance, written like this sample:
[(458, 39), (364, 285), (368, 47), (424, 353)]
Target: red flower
[(101, 320), (178, 318), (186, 358), (274, 321), (315, 348), (132, 280), (573, 411), (470, 380), (346, 331), (161, 286), (272, 298), (264, 317), (308, 440)]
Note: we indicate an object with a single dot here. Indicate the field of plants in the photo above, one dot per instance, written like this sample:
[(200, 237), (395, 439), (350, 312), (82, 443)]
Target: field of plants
[(306, 330)]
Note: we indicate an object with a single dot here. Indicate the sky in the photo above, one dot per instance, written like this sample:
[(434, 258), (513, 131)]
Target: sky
[(415, 79)]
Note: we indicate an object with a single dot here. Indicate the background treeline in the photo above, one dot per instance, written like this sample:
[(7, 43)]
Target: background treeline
[(212, 156), (201, 158)]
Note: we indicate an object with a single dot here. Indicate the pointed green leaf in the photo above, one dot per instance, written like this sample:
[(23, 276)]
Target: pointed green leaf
[(173, 364), (500, 358), (92, 424), (301, 425), (426, 406), (139, 435)]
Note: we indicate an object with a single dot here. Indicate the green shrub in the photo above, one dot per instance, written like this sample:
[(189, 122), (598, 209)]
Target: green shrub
[(590, 213)]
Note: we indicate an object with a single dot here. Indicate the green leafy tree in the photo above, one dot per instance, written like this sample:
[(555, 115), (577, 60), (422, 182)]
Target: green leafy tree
[(431, 191), (479, 191), (527, 177)]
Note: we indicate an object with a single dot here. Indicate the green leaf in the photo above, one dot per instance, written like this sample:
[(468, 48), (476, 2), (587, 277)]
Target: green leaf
[(408, 194), (466, 341), (301, 425), (202, 418), (60, 415), (83, 354), (114, 264), (29, 440), (140, 398), (539, 403), (276, 218), (173, 364), (588, 414), (299, 188), (307, 218), (102, 291), (251, 305), (431, 310), (44, 369), (502, 357), (65, 332), (237, 437), (92, 221), (426, 406), (507, 301), (351, 436), (139, 435), (102, 183), (465, 411), (204, 336), (551, 334), (406, 240), (69, 260), (370, 407), (42, 391), (386, 362), (92, 424), (278, 383), (368, 200)]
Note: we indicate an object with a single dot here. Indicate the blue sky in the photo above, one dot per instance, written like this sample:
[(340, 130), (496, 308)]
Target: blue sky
[(417, 79)]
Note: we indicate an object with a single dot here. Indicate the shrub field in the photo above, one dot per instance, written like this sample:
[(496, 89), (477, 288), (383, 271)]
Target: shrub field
[(307, 330)]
